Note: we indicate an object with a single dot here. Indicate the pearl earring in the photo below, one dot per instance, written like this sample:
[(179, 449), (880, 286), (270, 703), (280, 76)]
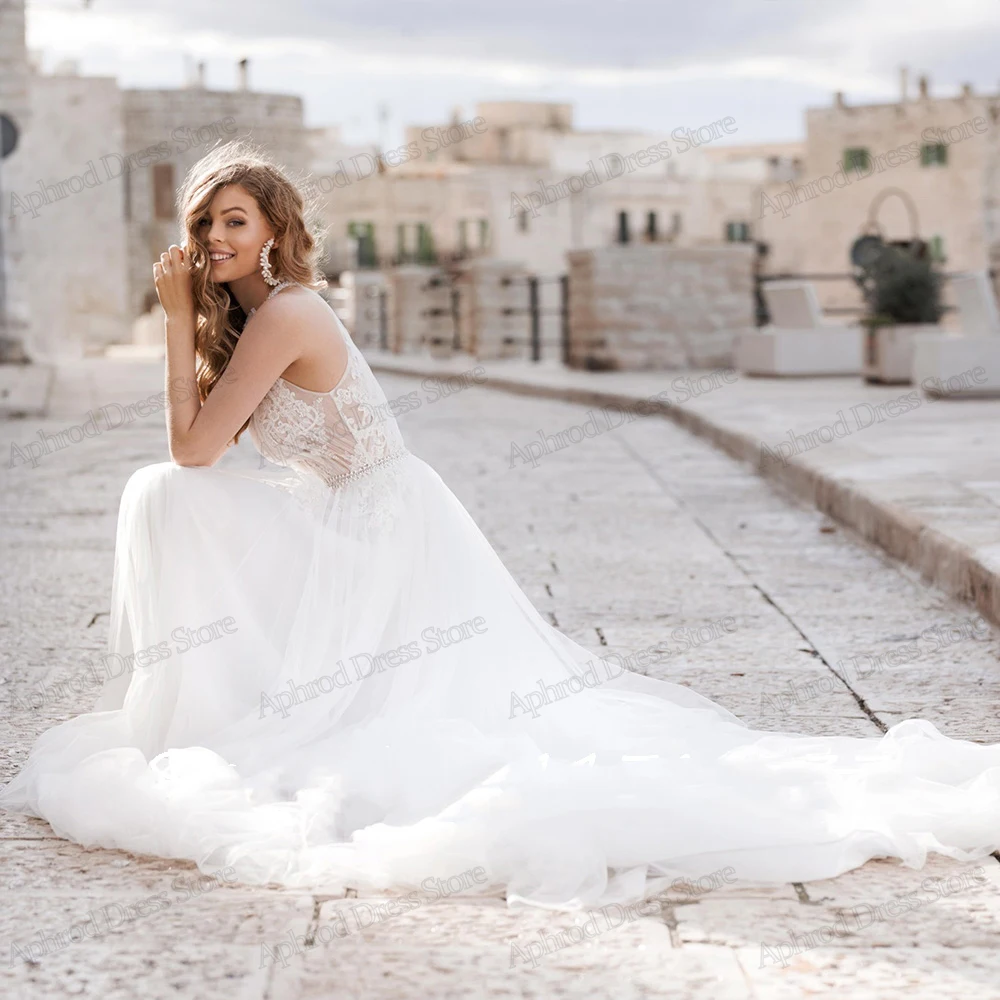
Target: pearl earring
[(265, 263)]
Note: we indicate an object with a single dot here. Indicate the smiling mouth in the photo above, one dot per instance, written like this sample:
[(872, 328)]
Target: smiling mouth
[(218, 256)]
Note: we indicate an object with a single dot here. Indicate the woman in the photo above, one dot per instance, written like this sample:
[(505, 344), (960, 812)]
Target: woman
[(329, 680)]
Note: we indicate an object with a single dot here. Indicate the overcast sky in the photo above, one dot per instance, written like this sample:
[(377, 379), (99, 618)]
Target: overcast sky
[(624, 64)]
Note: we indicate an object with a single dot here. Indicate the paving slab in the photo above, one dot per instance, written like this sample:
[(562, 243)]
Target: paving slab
[(625, 540), (915, 474)]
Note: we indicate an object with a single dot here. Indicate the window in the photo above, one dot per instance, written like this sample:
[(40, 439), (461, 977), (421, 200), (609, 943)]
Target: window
[(676, 225), (651, 233), (937, 249), (163, 191), (364, 233), (402, 244), (425, 244), (463, 235), (623, 233), (522, 220), (857, 158), (737, 232), (484, 233), (933, 154)]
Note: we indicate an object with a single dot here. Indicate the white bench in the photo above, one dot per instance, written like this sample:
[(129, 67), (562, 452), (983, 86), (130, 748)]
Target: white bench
[(798, 341), (965, 363)]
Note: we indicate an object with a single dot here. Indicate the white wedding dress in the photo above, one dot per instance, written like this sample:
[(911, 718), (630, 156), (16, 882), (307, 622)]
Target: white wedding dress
[(336, 683)]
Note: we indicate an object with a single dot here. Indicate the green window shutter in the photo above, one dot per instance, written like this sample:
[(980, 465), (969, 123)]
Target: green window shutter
[(364, 233), (856, 158), (425, 244), (933, 154)]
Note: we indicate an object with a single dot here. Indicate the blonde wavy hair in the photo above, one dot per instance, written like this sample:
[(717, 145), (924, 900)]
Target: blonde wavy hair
[(220, 318)]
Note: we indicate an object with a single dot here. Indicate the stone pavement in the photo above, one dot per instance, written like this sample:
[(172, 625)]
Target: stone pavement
[(639, 538), (917, 475), (24, 390)]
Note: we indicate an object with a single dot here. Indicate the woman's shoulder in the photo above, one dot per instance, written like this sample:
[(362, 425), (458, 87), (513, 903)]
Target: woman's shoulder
[(297, 307), (295, 300), (304, 322)]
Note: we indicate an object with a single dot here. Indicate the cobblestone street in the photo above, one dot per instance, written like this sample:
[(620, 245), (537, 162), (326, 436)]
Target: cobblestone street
[(644, 537)]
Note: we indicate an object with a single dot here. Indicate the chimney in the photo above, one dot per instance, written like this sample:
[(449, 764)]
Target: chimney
[(904, 84), (243, 75), (924, 87), (967, 90), (199, 80), (838, 99)]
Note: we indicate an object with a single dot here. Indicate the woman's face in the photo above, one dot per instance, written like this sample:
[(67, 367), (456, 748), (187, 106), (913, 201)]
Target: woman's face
[(233, 230)]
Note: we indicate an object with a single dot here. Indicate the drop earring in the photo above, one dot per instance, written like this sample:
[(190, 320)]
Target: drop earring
[(265, 263)]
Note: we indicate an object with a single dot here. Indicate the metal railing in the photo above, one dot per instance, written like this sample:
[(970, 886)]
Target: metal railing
[(535, 312)]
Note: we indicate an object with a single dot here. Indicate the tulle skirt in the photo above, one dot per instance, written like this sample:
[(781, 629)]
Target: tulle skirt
[(345, 688)]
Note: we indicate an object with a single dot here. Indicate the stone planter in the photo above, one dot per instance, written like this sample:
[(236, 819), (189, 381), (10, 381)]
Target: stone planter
[(949, 366), (888, 356)]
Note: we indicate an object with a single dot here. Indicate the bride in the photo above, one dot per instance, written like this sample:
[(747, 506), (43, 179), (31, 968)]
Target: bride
[(330, 680)]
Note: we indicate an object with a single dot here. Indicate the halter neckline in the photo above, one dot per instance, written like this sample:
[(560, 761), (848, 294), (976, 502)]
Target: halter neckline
[(274, 291)]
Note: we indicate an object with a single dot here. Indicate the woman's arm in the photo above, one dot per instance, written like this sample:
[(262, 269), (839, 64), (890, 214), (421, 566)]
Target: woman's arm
[(199, 434)]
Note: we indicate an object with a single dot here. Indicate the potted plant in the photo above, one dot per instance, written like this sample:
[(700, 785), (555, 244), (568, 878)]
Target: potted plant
[(903, 293)]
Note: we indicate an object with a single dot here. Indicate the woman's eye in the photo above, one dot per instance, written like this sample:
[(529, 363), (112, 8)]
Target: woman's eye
[(202, 222), (236, 222)]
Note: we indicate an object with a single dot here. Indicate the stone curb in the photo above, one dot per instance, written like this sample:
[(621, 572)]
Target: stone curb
[(940, 559)]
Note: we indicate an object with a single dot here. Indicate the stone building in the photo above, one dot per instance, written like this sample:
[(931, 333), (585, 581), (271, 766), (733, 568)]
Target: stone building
[(89, 195), (176, 128), (516, 182), (921, 166)]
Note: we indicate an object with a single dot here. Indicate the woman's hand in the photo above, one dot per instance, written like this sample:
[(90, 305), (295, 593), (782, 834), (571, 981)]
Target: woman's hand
[(172, 277)]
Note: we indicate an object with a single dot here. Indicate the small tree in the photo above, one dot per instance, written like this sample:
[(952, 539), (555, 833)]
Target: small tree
[(901, 287)]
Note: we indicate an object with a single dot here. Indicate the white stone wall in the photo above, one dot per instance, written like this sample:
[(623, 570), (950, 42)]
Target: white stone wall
[(69, 218), (13, 171), (655, 307)]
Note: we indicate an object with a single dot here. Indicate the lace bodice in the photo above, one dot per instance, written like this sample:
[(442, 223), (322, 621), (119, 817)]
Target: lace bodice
[(337, 436)]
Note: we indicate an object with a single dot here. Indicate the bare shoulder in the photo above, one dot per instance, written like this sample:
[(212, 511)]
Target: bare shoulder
[(298, 303), (296, 312)]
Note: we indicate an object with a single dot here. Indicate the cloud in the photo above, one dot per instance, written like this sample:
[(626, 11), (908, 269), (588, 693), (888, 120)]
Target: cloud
[(664, 59)]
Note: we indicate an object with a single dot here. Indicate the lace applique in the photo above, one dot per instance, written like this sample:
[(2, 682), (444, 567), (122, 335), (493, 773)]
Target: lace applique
[(345, 440)]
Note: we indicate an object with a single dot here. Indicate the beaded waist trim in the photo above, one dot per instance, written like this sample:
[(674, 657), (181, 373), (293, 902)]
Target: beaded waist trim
[(364, 470)]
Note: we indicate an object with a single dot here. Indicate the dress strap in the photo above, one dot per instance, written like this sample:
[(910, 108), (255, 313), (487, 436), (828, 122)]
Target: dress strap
[(277, 288), (274, 291)]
